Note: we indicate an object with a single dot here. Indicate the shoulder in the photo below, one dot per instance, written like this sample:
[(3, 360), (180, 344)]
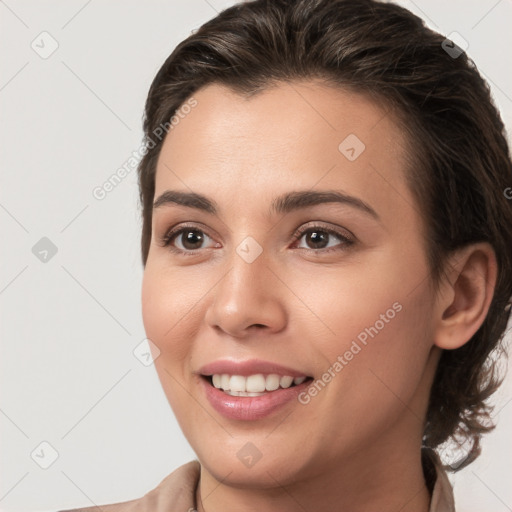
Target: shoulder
[(176, 490)]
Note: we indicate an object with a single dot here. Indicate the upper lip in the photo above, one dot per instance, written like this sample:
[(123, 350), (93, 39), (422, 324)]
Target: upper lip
[(248, 367)]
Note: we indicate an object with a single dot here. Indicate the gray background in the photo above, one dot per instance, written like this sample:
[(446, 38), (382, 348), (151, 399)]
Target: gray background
[(69, 326)]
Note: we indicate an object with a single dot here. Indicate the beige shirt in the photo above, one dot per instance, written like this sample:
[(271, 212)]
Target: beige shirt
[(176, 493)]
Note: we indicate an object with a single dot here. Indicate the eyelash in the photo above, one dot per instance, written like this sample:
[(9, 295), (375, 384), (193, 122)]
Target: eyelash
[(346, 242)]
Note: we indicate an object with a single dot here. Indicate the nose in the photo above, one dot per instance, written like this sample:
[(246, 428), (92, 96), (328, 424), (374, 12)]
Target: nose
[(247, 300)]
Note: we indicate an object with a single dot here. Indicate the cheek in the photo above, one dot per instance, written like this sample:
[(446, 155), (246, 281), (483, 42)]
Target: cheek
[(377, 322), (382, 371), (347, 305), (385, 383), (171, 310), (383, 303), (170, 306)]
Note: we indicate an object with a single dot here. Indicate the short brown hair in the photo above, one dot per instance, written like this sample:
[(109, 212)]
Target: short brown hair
[(461, 161)]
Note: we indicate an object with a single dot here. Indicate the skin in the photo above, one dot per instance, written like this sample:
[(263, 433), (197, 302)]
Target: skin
[(356, 445)]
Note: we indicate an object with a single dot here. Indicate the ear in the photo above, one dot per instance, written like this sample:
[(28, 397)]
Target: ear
[(465, 295)]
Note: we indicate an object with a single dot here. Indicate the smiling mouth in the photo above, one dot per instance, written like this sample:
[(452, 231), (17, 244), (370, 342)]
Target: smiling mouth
[(253, 385)]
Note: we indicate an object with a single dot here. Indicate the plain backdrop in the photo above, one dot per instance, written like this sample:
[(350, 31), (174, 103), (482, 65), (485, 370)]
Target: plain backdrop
[(73, 80)]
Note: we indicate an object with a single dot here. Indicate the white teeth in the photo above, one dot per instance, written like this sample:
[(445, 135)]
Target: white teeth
[(224, 381), (272, 382), (243, 393), (286, 381), (253, 385), (237, 383)]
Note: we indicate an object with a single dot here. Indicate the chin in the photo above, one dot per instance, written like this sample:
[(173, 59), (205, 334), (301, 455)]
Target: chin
[(266, 473), (254, 460)]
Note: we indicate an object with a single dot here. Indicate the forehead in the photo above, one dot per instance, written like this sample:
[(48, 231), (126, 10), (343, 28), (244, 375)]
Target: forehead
[(290, 136), (283, 113)]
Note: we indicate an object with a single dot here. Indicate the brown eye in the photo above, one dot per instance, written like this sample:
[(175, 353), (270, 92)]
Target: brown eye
[(320, 238), (317, 239), (189, 239)]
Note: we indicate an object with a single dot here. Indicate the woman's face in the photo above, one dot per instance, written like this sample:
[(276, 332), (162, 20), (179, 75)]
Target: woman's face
[(304, 259)]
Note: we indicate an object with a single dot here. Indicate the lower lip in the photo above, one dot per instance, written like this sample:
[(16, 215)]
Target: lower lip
[(251, 408)]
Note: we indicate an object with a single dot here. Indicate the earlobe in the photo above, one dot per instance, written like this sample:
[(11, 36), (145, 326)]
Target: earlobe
[(467, 295)]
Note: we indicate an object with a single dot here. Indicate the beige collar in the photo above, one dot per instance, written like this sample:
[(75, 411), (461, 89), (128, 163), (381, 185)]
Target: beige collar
[(442, 493)]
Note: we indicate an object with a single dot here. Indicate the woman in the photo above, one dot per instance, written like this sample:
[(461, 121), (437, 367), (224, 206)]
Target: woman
[(326, 243)]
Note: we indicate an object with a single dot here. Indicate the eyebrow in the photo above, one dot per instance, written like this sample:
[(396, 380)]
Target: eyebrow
[(283, 204)]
